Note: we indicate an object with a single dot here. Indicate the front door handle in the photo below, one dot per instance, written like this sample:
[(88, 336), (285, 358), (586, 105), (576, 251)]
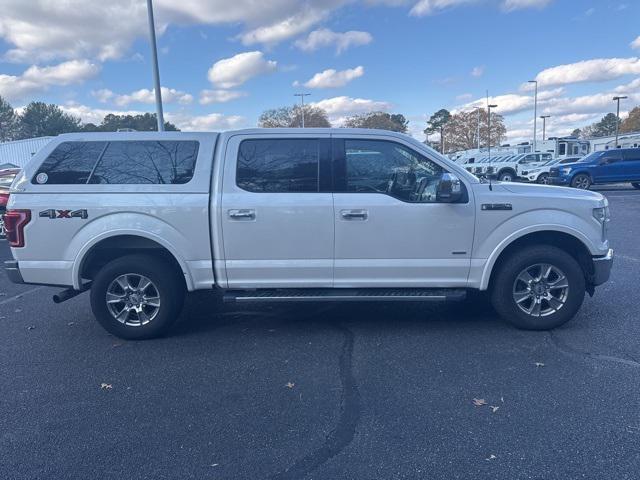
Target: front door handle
[(242, 214), (354, 214)]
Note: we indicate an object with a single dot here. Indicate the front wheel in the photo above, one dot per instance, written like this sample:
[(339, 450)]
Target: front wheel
[(543, 179), (137, 297), (538, 288), (581, 181), (636, 185), (506, 177)]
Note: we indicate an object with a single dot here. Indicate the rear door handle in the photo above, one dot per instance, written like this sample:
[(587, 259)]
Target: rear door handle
[(242, 214), (354, 214)]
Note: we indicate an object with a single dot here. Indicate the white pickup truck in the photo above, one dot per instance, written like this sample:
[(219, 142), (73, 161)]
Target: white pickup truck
[(293, 215)]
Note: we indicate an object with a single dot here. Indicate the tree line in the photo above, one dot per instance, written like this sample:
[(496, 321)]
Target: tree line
[(39, 119), (457, 131)]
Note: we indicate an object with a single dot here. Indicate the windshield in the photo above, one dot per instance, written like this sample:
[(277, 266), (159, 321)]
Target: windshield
[(591, 157)]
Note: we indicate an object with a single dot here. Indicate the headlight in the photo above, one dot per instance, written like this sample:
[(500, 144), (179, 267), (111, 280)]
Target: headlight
[(603, 217), (566, 170)]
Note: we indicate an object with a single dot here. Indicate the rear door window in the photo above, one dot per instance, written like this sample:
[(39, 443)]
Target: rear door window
[(71, 163), (279, 165)]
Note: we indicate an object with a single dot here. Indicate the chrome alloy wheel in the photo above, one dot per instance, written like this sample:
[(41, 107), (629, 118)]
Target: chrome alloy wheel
[(133, 300), (541, 290), (582, 183)]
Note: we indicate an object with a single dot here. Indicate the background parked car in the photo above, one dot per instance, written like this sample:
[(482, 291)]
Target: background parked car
[(6, 179), (541, 174), (608, 166)]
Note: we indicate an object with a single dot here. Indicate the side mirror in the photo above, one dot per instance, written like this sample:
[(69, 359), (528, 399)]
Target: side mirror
[(450, 189)]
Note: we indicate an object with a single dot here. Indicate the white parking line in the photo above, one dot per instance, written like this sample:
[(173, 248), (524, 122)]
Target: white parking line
[(20, 295)]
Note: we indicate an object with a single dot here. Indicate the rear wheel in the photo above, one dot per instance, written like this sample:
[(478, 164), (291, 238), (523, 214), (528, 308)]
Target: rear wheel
[(581, 181), (137, 296), (636, 185), (538, 288), (543, 179)]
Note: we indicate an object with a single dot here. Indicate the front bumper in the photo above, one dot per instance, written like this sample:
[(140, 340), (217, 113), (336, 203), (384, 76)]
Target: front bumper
[(602, 268), (559, 180), (13, 271)]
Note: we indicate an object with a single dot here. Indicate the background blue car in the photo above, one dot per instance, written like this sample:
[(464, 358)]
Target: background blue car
[(607, 166)]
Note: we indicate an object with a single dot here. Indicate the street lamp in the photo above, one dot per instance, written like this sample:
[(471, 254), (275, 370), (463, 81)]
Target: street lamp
[(489, 107), (535, 112), (156, 70), (617, 99), (544, 124), (302, 95)]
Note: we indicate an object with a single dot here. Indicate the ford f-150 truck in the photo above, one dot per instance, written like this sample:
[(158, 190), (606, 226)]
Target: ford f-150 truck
[(139, 219)]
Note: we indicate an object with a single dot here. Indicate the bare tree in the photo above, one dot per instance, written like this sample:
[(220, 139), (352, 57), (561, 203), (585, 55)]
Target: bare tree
[(461, 132), (378, 120), (291, 117)]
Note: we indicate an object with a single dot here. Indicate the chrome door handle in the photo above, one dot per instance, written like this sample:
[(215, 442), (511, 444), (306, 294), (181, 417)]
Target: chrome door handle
[(354, 214), (243, 214)]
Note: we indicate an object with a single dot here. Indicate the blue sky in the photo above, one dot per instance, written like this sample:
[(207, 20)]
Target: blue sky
[(223, 62)]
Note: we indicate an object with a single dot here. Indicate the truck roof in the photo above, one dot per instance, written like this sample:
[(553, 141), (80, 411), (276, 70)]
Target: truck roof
[(249, 131)]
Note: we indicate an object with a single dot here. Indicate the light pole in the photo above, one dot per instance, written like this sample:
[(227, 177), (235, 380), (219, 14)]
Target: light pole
[(478, 109), (617, 99), (489, 107), (156, 70), (544, 124), (535, 112), (302, 95)]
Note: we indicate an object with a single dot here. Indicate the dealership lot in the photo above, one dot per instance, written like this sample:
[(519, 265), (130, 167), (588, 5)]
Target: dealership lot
[(316, 391)]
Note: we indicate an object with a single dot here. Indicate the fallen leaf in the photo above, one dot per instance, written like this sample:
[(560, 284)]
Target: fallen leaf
[(18, 310), (502, 399), (491, 457), (30, 327), (106, 386), (215, 464), (494, 409), (478, 402), (116, 345), (539, 364), (289, 385), (71, 323)]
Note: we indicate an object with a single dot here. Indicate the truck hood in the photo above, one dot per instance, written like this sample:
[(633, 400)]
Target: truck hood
[(547, 191)]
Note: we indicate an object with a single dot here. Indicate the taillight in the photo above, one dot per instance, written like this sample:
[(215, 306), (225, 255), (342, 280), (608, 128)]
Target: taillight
[(4, 199), (14, 223)]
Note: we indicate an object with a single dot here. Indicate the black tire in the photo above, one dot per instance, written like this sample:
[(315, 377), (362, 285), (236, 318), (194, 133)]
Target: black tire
[(507, 176), (506, 285), (636, 185), (543, 179), (581, 181), (165, 281)]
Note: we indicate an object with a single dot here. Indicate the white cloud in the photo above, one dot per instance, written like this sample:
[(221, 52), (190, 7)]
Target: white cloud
[(283, 29), (38, 79), (636, 43), (234, 71), (44, 30), (201, 123), (338, 108), (207, 97), (477, 71), (327, 38), (510, 5), (464, 97), (429, 7), (94, 115), (144, 95), (333, 79), (595, 70)]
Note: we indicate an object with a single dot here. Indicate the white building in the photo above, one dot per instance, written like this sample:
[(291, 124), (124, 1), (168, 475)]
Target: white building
[(18, 153)]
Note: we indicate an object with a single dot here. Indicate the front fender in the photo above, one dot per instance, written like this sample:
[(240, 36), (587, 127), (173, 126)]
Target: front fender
[(139, 224), (504, 234)]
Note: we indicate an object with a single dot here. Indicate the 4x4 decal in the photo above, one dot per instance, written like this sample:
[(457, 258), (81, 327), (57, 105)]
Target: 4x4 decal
[(52, 214)]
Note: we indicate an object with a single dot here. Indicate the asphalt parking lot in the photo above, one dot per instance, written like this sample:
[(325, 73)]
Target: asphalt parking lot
[(365, 391)]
